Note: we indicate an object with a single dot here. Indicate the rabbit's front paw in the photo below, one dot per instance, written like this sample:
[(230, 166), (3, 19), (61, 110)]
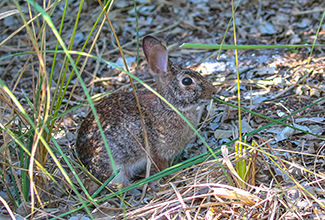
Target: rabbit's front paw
[(155, 186)]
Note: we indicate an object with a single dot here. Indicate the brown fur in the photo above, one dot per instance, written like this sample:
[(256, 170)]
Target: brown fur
[(168, 133)]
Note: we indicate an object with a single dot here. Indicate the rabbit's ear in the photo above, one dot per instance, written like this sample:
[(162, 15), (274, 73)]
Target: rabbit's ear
[(158, 59), (156, 54)]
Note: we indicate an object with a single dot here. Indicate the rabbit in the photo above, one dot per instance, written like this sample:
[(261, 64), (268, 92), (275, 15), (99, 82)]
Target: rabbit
[(168, 134)]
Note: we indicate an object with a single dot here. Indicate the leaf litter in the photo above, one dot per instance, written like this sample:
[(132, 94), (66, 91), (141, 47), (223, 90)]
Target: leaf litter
[(274, 83)]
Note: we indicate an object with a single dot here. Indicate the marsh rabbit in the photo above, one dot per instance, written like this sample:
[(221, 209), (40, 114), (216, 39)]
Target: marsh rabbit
[(168, 134)]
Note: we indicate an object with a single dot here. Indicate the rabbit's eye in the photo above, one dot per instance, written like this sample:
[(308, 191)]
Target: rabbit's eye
[(187, 81)]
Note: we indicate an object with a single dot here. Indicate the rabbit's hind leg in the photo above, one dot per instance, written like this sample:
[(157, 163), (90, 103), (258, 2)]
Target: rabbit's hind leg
[(129, 171)]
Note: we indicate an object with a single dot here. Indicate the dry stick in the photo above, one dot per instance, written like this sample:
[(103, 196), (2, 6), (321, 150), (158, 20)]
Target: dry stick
[(5, 204), (17, 80), (8, 13), (180, 199), (308, 12)]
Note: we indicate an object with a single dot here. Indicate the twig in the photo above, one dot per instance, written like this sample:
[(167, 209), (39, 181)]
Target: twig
[(308, 12)]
